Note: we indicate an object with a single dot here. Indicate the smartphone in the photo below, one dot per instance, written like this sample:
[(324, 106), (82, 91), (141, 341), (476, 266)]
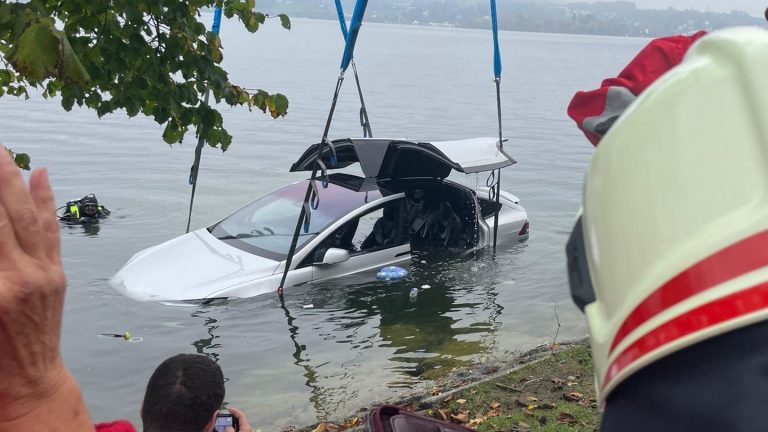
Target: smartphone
[(223, 420)]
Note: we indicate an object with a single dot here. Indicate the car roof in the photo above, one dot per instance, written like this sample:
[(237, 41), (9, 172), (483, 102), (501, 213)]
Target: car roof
[(394, 159)]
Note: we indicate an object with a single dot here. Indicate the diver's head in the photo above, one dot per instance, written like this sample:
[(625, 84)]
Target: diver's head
[(90, 205), (416, 195)]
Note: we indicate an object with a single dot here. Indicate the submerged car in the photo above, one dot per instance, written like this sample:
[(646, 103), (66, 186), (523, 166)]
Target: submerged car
[(401, 204)]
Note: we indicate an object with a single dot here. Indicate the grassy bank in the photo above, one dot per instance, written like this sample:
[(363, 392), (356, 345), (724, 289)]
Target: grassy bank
[(552, 391)]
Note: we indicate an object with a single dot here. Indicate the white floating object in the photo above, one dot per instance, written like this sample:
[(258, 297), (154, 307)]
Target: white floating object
[(308, 306), (425, 287)]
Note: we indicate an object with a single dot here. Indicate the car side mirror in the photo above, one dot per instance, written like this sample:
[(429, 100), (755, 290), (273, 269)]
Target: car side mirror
[(335, 256)]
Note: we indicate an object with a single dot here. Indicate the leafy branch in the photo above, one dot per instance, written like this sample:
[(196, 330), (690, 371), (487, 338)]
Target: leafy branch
[(142, 56)]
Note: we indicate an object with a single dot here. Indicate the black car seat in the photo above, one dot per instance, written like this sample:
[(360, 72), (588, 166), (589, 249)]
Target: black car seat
[(384, 230)]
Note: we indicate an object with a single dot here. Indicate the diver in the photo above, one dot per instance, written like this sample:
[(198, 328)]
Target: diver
[(384, 230), (444, 227), (418, 210), (86, 210)]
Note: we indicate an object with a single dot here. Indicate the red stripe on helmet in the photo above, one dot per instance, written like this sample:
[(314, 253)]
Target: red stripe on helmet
[(716, 312), (741, 257)]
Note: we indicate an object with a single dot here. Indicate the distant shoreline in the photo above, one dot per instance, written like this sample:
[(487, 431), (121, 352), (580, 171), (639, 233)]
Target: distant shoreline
[(610, 18)]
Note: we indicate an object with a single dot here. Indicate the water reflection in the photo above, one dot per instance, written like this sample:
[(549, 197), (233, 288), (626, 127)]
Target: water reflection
[(207, 346), (90, 229), (341, 337), (449, 324), (310, 374)]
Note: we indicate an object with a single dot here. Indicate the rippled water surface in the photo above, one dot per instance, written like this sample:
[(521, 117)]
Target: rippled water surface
[(363, 340)]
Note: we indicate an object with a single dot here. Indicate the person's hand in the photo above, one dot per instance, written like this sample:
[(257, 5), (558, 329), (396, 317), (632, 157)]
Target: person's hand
[(36, 386), (245, 426)]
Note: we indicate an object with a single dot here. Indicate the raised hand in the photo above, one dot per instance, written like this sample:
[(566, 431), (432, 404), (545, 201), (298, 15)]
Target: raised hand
[(37, 391)]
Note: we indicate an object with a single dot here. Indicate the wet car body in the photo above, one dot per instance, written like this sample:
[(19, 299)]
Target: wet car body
[(401, 203)]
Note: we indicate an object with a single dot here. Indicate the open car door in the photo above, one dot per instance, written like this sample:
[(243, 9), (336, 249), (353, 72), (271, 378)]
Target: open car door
[(387, 159)]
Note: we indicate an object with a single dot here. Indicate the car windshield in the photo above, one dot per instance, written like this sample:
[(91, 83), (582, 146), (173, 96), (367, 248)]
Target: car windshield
[(265, 227)]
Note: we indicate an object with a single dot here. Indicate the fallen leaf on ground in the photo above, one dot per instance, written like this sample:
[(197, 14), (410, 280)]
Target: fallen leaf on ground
[(461, 417), (461, 401), (531, 399), (354, 421), (492, 413), (573, 396), (522, 426), (435, 391), (565, 417), (445, 414), (448, 399), (494, 404)]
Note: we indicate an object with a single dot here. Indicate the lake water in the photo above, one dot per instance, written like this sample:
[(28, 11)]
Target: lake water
[(363, 340)]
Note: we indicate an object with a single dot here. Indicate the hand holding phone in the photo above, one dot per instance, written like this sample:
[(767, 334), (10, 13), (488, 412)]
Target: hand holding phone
[(223, 420)]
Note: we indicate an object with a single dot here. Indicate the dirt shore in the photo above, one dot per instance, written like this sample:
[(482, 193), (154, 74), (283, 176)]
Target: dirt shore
[(540, 390)]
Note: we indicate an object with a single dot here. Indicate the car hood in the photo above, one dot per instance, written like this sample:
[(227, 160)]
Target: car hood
[(193, 266)]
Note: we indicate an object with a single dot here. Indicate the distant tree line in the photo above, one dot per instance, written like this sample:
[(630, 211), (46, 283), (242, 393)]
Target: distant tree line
[(617, 18)]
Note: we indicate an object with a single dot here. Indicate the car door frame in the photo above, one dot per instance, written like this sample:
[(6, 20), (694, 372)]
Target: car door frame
[(359, 261)]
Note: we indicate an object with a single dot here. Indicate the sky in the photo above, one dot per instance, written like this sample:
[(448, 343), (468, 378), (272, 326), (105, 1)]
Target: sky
[(752, 7)]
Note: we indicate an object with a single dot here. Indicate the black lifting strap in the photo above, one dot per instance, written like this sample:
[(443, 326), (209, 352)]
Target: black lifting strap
[(364, 121), (311, 194)]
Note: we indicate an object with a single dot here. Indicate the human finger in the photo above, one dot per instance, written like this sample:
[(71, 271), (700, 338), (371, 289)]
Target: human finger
[(18, 204), (245, 425), (8, 244), (42, 196)]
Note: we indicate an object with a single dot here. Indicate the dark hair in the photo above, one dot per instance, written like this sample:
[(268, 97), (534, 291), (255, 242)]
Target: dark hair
[(182, 394)]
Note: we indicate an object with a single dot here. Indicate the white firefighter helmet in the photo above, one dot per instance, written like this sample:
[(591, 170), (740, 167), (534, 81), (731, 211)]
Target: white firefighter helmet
[(671, 246)]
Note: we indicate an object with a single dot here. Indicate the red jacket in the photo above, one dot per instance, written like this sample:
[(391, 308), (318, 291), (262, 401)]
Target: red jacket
[(115, 426), (595, 111)]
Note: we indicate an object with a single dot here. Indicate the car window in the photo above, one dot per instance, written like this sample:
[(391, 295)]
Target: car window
[(377, 229), (266, 226)]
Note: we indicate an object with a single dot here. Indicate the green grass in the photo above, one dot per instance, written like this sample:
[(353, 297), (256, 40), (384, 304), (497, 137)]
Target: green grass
[(553, 394)]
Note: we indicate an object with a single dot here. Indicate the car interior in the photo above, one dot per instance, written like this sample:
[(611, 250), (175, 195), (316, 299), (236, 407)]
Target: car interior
[(432, 216)]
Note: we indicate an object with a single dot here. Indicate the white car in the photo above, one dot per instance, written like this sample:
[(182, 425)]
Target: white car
[(402, 203)]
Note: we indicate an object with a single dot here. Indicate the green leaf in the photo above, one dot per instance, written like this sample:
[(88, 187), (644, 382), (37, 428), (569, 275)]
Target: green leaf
[(252, 23), (22, 160), (285, 21), (36, 52), (173, 133), (43, 52), (281, 105), (67, 103), (70, 68)]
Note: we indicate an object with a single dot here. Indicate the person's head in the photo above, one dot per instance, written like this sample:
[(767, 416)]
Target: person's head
[(90, 205), (184, 394)]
